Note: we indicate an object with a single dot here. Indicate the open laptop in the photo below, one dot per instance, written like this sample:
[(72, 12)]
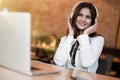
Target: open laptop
[(15, 43)]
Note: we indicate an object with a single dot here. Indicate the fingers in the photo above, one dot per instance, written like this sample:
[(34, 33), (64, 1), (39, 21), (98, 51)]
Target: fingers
[(70, 26), (95, 20), (69, 22)]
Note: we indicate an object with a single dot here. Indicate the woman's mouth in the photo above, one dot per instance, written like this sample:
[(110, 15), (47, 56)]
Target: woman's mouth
[(81, 23)]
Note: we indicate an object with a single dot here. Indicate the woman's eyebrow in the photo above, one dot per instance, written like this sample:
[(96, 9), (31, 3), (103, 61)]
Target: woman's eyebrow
[(80, 14), (88, 15), (83, 14)]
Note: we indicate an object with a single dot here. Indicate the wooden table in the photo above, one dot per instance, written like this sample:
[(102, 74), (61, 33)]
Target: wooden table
[(65, 74)]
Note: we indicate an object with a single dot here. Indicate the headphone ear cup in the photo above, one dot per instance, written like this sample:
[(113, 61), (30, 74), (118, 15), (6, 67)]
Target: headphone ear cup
[(95, 20), (71, 15)]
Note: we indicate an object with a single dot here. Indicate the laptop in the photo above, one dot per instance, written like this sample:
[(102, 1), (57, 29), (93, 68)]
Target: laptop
[(15, 44)]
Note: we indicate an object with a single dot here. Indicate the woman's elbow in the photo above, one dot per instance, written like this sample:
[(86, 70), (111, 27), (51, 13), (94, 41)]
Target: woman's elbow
[(58, 62), (87, 63)]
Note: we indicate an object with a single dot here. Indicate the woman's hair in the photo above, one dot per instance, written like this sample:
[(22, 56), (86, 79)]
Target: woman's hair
[(75, 11)]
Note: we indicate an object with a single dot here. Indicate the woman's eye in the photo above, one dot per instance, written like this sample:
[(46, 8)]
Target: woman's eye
[(88, 17), (80, 14)]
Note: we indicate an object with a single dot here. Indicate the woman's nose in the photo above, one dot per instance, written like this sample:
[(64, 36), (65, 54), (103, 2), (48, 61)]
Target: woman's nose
[(83, 18)]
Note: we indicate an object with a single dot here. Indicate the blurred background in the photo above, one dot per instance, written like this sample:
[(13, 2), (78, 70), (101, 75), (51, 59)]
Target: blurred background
[(49, 23)]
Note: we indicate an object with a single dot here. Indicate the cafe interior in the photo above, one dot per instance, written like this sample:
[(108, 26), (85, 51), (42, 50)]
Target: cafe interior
[(49, 24)]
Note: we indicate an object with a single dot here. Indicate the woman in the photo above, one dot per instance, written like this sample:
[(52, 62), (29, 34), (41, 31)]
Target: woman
[(81, 47)]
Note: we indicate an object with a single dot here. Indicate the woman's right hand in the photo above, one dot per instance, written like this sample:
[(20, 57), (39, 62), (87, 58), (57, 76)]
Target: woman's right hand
[(91, 29), (71, 32)]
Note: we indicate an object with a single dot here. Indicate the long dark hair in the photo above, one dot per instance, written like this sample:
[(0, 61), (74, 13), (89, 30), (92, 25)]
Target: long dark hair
[(76, 12)]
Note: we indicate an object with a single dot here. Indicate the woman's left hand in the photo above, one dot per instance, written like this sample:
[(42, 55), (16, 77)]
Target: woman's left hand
[(91, 29)]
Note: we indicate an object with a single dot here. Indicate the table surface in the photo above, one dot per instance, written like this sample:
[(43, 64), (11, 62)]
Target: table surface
[(64, 74)]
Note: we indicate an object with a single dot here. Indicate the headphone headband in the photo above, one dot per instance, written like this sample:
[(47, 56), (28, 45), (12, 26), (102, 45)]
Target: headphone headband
[(74, 7)]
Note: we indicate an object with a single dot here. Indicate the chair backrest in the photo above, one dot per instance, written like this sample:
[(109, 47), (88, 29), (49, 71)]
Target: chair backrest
[(102, 66)]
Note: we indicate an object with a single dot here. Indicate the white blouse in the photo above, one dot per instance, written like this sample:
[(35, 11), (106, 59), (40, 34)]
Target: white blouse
[(87, 54)]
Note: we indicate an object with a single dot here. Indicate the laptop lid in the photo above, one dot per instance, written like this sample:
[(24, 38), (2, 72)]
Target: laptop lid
[(15, 41)]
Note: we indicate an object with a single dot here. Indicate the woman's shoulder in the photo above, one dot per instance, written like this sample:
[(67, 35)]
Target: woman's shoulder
[(98, 37), (63, 37), (69, 37)]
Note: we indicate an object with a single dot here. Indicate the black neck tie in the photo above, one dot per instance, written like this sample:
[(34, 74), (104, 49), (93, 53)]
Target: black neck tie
[(73, 52)]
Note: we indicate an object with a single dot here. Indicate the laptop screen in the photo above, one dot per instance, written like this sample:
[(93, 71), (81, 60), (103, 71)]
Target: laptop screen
[(15, 41)]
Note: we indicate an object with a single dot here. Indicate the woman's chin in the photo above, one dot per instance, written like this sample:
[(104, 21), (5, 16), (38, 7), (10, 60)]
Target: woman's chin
[(81, 28)]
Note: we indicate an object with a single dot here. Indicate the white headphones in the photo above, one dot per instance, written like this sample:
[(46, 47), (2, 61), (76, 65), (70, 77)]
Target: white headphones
[(74, 7)]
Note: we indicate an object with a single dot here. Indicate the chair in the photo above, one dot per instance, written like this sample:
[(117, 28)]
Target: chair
[(102, 68)]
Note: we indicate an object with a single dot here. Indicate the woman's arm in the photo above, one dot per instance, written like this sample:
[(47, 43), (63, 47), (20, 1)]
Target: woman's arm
[(90, 50), (62, 52)]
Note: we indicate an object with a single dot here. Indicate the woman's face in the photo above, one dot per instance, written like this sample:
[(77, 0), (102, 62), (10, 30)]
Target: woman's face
[(84, 19)]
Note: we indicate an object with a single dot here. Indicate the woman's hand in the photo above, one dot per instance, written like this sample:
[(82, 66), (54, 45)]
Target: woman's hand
[(91, 29), (71, 32)]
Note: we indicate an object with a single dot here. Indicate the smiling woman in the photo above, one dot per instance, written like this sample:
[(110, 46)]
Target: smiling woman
[(49, 16), (81, 47)]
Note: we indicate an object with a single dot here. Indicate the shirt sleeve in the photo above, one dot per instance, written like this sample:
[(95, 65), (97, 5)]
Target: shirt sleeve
[(62, 52), (90, 50)]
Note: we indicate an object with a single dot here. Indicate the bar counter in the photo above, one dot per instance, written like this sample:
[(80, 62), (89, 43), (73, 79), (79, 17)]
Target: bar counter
[(64, 74)]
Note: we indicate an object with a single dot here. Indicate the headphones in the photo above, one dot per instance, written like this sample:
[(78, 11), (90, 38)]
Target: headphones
[(75, 6)]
